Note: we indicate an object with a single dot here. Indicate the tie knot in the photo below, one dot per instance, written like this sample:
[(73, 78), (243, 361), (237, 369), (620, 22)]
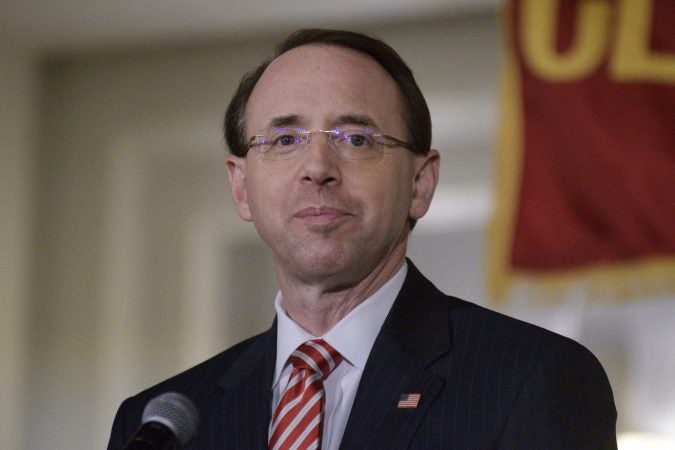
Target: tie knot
[(317, 356)]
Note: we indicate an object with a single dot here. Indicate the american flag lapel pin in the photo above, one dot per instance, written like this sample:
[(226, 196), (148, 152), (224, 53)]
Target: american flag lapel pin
[(408, 401)]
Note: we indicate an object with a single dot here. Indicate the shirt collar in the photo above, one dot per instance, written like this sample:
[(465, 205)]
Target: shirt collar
[(353, 336)]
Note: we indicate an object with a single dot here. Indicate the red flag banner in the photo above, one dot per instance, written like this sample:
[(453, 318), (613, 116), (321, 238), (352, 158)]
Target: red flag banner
[(586, 167)]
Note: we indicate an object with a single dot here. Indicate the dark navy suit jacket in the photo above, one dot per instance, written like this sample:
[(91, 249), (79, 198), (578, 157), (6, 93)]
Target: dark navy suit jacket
[(486, 381)]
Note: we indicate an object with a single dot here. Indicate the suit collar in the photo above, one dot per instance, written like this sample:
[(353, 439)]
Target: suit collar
[(258, 357), (406, 359), (247, 384), (418, 321)]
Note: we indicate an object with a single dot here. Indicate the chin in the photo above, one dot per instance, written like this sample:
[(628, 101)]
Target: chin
[(339, 268)]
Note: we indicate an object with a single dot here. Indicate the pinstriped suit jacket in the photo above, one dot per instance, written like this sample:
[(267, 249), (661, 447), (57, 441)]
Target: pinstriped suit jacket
[(486, 381)]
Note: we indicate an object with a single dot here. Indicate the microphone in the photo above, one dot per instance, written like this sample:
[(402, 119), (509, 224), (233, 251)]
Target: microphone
[(169, 420)]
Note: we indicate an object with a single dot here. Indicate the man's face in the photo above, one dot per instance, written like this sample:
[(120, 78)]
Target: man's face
[(326, 218)]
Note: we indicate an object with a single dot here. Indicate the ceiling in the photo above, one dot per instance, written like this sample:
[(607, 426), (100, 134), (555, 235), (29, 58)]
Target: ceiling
[(53, 25)]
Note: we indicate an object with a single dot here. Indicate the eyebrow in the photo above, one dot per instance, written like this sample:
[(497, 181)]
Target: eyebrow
[(344, 119), (284, 121), (357, 119)]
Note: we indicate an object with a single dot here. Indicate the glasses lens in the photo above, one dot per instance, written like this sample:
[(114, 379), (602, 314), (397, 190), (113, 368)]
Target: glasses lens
[(357, 143), (350, 142), (282, 142)]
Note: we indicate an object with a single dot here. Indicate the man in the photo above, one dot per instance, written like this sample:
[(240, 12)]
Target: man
[(331, 161)]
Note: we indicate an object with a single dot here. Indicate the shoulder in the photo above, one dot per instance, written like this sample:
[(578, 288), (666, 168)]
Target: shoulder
[(544, 390), (205, 374), (475, 328), (506, 344), (478, 324), (539, 389), (538, 379), (516, 384), (493, 347), (198, 383)]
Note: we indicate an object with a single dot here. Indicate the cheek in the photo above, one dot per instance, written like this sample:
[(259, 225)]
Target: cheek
[(265, 194), (388, 191)]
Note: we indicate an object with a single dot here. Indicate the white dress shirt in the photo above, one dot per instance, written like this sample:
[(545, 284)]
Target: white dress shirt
[(353, 337)]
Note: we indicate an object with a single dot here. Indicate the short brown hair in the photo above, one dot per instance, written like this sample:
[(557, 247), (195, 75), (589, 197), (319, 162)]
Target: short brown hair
[(416, 113)]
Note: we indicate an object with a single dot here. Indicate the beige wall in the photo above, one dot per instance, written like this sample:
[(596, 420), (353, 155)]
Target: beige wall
[(18, 83), (125, 262)]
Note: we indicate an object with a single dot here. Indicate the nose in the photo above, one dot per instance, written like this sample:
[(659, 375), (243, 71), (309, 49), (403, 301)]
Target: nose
[(320, 164)]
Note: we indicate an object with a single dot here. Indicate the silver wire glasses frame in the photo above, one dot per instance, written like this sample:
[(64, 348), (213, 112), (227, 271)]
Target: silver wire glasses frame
[(349, 142)]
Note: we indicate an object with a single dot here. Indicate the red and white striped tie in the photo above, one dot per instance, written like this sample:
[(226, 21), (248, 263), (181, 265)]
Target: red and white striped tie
[(297, 420)]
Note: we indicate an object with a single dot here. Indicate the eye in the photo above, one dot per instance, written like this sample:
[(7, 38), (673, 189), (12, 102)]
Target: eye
[(357, 138), (286, 139)]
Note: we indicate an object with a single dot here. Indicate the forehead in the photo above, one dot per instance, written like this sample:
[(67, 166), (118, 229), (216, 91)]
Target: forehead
[(319, 83)]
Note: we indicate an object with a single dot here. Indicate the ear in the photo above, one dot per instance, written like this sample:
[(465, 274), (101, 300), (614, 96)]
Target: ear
[(424, 182), (236, 172)]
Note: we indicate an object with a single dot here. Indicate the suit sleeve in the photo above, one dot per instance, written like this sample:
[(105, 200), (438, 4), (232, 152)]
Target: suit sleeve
[(565, 403)]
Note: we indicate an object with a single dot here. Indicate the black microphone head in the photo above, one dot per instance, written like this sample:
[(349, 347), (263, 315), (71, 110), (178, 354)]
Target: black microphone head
[(176, 412)]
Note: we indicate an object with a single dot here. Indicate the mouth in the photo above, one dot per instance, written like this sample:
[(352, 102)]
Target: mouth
[(322, 215)]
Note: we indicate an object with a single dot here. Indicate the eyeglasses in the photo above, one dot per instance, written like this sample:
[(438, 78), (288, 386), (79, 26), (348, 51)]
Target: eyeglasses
[(354, 143)]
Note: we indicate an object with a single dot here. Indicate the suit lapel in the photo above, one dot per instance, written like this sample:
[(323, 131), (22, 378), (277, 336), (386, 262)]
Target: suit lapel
[(247, 384), (404, 360)]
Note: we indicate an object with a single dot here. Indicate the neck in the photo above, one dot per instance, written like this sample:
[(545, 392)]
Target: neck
[(318, 307)]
